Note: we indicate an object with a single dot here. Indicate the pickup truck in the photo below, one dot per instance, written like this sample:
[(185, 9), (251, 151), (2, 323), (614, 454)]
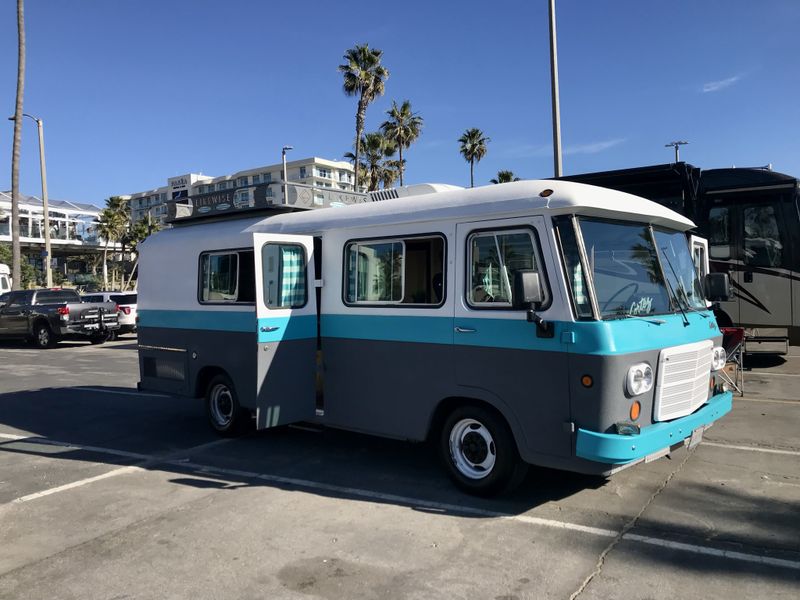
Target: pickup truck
[(46, 316)]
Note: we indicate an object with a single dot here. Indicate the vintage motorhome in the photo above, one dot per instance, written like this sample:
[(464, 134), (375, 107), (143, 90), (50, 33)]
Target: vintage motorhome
[(535, 322)]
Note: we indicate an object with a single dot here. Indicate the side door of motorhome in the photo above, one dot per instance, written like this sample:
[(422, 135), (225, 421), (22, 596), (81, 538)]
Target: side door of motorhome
[(497, 352), (286, 323)]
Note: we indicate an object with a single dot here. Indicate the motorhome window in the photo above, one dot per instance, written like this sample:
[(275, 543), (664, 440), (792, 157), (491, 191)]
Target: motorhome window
[(284, 275), (762, 237), (375, 272), (679, 268), (573, 268), (219, 275), (624, 268), (494, 257), (719, 233)]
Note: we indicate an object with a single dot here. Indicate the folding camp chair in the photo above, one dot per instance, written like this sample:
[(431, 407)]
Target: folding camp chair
[(733, 342)]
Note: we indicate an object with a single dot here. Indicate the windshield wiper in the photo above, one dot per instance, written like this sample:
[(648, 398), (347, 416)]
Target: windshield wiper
[(682, 288)]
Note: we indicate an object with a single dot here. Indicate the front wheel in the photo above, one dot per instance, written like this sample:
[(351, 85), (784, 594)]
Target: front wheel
[(223, 410), (479, 452)]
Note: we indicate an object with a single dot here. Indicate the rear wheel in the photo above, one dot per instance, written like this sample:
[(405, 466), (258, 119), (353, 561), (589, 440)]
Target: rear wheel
[(100, 338), (224, 412), (479, 452), (42, 336)]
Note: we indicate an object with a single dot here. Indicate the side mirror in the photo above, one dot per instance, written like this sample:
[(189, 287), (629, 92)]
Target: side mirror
[(527, 290), (717, 287)]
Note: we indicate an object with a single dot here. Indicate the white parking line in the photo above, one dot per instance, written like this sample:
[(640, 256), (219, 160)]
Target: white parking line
[(751, 448), (758, 373), (38, 440), (120, 392), (75, 484), (414, 502)]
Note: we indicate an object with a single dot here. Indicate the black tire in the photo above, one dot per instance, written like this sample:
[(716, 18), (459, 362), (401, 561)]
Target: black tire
[(100, 338), (42, 336), (479, 452), (113, 334), (223, 410)]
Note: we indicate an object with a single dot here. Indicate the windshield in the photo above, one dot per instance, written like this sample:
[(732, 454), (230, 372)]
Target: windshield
[(679, 269), (624, 264)]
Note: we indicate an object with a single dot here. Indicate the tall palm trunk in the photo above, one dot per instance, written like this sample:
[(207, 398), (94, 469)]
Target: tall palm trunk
[(105, 266), (400, 150), (16, 265), (471, 178), (361, 114)]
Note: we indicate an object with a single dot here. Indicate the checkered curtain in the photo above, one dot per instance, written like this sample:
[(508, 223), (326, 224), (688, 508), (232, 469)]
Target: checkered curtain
[(293, 277)]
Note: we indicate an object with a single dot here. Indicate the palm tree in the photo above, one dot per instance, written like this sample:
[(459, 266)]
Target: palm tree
[(505, 177), (364, 76), (111, 226), (137, 234), (16, 255), (376, 150), (403, 128), (473, 149)]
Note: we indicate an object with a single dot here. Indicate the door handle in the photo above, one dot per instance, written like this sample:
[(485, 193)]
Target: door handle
[(266, 329), (466, 330)]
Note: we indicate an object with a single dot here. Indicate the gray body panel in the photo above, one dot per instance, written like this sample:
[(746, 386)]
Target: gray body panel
[(171, 352), (286, 382)]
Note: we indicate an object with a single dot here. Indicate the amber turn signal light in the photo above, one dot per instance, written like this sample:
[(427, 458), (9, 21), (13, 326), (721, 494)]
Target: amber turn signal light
[(587, 381), (636, 408)]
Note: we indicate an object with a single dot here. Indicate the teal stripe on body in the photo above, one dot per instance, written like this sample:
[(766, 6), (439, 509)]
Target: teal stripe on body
[(277, 329), (380, 327), (621, 336)]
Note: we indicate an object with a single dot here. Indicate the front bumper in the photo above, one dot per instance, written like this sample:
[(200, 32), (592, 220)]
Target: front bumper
[(612, 448)]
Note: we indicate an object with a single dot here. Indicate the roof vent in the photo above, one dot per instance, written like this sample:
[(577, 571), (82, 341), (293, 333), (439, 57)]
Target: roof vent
[(418, 189)]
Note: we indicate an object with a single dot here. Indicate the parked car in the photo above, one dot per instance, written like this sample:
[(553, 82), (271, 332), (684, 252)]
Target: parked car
[(126, 308), (46, 316)]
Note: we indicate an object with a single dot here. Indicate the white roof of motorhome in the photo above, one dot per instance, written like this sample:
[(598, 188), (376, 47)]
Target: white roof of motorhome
[(505, 199)]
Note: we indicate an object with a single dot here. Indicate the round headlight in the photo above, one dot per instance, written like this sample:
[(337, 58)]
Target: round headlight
[(718, 358), (640, 379)]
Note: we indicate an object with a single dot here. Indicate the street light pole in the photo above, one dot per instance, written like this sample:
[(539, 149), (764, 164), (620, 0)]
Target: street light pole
[(676, 145), (554, 91), (285, 177), (43, 169)]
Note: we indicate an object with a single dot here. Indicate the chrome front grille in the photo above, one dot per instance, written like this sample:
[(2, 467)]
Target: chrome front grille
[(683, 378)]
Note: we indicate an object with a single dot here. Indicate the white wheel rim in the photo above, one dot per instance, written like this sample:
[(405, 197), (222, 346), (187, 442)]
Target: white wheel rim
[(221, 405), (472, 449), (44, 336)]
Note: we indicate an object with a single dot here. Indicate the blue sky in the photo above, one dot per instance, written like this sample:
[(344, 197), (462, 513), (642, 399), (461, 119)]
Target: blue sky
[(134, 92)]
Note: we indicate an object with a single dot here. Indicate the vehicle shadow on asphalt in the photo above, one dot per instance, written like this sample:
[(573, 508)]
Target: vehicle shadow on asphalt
[(324, 461)]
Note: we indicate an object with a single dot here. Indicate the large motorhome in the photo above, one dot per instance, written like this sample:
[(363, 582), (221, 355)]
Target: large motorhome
[(751, 217), (536, 322)]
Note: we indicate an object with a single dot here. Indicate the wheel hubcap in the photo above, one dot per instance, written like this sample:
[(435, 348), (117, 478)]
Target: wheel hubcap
[(221, 405), (472, 449), (44, 337)]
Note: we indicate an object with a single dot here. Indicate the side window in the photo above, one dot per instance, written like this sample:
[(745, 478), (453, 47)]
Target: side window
[(573, 268), (226, 277), (493, 258), (719, 233), (284, 270), (408, 271), (762, 238)]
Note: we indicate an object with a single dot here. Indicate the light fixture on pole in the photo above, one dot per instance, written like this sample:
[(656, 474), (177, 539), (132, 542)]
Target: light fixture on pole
[(676, 145), (284, 150), (45, 209), (554, 92)]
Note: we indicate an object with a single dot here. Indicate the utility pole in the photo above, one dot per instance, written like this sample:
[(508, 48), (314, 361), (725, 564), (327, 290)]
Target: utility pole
[(285, 178), (554, 92), (676, 145)]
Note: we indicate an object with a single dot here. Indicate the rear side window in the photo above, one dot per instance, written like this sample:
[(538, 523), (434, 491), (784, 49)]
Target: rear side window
[(57, 297), (494, 257), (123, 298), (225, 278)]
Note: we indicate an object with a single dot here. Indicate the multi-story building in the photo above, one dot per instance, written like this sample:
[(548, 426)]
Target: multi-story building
[(308, 178)]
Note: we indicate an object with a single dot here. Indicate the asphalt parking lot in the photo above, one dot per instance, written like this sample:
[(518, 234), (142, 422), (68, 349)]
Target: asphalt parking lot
[(109, 493)]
